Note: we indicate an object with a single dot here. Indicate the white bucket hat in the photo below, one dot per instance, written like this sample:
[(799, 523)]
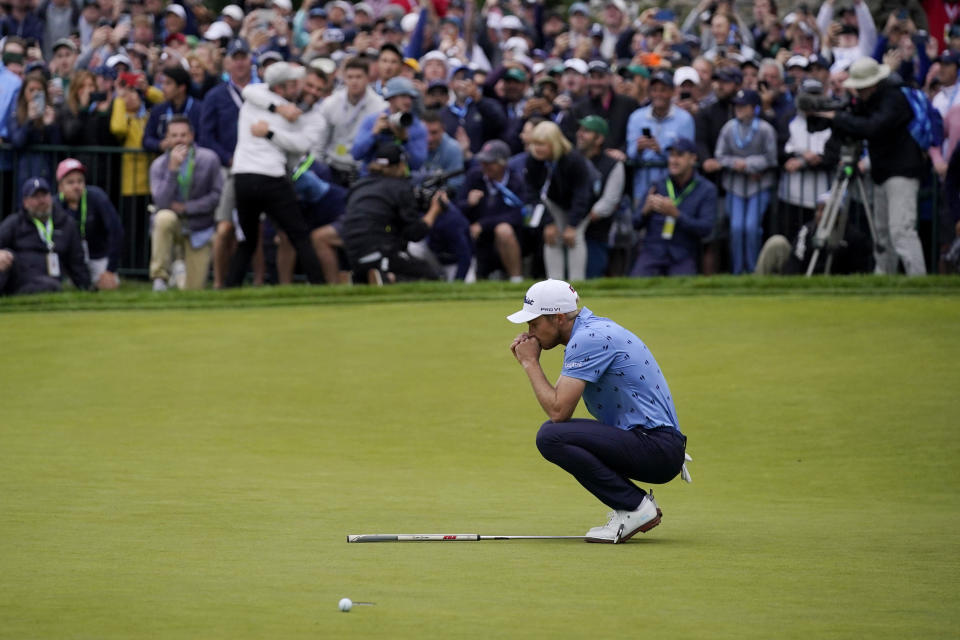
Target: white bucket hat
[(866, 72), (546, 297)]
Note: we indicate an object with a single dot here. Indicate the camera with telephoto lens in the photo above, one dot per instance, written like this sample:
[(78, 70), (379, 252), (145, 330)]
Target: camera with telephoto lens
[(400, 120), (424, 192)]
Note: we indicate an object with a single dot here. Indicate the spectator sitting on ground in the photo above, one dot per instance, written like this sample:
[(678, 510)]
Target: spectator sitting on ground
[(39, 244), (101, 233), (492, 198), (185, 183)]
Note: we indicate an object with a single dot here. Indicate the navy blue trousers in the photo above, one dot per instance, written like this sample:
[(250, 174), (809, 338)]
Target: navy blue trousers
[(604, 459)]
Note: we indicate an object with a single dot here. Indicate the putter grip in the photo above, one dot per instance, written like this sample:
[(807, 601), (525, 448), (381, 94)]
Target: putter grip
[(414, 537)]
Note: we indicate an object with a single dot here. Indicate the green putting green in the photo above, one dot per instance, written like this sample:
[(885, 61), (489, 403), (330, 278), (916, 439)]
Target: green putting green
[(194, 474)]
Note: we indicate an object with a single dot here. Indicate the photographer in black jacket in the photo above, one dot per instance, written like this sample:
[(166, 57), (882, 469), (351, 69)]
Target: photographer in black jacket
[(881, 115), (382, 217)]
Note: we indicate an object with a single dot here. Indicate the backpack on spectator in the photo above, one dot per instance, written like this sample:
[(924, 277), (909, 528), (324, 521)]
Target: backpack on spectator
[(927, 124)]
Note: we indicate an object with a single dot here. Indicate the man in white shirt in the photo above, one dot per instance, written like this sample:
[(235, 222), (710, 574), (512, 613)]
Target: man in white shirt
[(342, 113), (264, 140)]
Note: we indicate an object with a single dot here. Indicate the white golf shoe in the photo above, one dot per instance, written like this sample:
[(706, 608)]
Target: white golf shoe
[(623, 525)]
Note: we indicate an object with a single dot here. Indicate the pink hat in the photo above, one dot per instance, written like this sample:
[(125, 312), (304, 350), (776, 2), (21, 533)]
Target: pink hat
[(68, 165)]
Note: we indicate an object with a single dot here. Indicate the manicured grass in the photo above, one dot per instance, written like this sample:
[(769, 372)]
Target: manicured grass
[(194, 473)]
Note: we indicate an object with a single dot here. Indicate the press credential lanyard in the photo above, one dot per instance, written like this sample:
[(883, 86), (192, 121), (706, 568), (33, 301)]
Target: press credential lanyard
[(83, 214), (670, 222), (46, 235)]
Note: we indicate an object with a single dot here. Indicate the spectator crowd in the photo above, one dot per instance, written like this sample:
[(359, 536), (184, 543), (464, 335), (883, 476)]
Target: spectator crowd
[(386, 140)]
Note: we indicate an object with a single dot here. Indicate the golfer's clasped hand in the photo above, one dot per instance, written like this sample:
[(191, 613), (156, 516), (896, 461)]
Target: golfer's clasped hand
[(526, 348)]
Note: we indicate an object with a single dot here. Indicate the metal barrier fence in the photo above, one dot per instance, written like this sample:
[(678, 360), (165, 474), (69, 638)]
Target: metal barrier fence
[(122, 173)]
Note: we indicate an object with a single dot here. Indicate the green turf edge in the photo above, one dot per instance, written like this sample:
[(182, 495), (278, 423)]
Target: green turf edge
[(136, 296)]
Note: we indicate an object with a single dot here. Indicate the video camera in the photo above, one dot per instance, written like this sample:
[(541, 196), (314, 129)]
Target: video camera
[(424, 192), (810, 103)]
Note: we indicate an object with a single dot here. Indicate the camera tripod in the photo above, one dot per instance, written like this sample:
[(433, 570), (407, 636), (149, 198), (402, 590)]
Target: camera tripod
[(833, 221)]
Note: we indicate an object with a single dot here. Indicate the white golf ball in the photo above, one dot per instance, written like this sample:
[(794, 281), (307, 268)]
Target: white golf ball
[(345, 604)]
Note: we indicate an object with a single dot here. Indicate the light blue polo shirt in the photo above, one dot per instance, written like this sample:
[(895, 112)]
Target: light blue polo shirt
[(625, 387)]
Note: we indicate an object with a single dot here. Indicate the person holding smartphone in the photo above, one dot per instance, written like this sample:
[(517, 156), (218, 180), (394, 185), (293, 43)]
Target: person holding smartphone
[(652, 129), (34, 122)]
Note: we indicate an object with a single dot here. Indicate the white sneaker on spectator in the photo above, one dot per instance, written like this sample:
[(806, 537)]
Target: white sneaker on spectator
[(178, 274), (159, 284), (623, 525)]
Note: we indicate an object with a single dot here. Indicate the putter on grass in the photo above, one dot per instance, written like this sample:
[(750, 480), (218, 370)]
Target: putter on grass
[(445, 537)]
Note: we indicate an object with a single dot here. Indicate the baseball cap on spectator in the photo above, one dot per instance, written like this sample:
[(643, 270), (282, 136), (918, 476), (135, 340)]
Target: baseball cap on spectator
[(176, 10), (516, 44), (434, 55), (817, 60), (413, 64), (949, 57), (232, 11), (682, 145), (598, 66), (493, 151), (633, 70), (749, 62), (363, 7), (346, 7), (388, 152), (546, 80), (37, 65), (686, 74), (69, 166), (328, 66), (516, 75), (119, 58), (728, 74), (463, 68), (437, 84), (105, 72), (746, 96), (619, 4), (269, 57), (546, 297), (65, 42), (511, 23), (595, 124), (578, 7), (596, 30), (33, 185), (663, 77), (280, 72), (399, 86), (576, 64), (286, 5), (175, 37), (811, 85), (317, 12), (218, 30), (239, 45), (798, 61)]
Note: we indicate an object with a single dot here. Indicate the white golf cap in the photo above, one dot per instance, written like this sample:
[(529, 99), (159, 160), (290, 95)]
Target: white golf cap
[(232, 11), (176, 10), (686, 74), (512, 23), (578, 65), (546, 297), (217, 30), (280, 72), (286, 5)]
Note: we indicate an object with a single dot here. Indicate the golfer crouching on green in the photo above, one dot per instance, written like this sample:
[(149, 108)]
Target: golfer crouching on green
[(636, 434)]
